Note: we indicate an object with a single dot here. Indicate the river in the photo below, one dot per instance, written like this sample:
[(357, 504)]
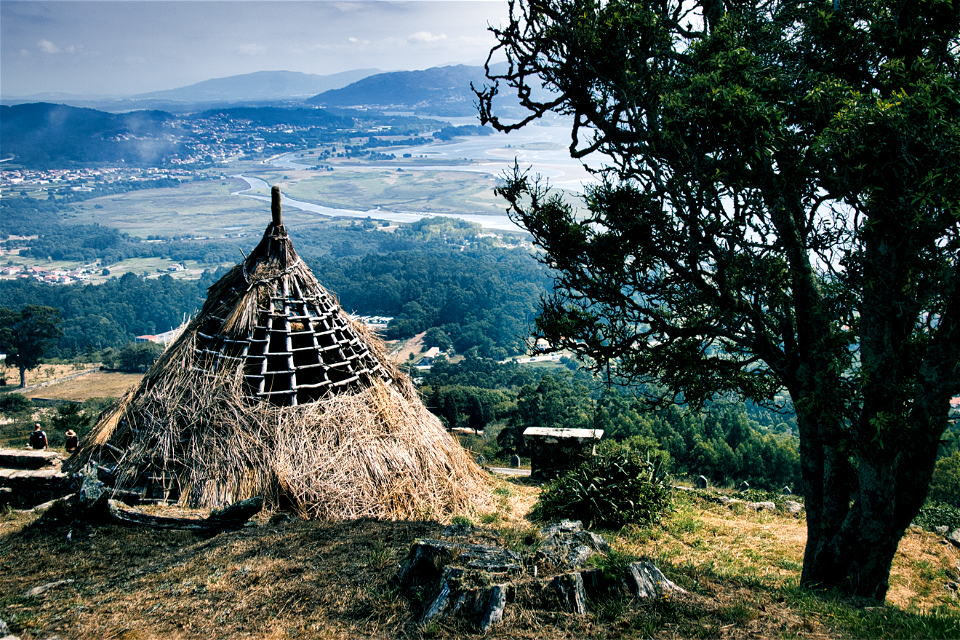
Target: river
[(502, 223), (541, 148)]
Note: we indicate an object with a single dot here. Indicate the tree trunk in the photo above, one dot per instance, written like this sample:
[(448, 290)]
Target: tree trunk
[(876, 463), (23, 377), (856, 516)]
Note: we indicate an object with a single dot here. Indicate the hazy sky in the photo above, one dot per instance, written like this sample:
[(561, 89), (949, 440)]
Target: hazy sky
[(136, 46)]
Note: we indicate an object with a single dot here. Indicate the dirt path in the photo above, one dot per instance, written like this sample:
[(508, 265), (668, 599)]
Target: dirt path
[(401, 352)]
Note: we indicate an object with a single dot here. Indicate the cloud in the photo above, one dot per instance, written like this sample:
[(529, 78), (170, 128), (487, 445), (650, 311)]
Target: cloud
[(251, 49), (48, 47), (425, 37)]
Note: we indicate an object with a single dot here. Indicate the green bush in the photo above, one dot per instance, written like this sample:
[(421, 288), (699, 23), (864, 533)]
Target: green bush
[(13, 404), (619, 485), (937, 515), (945, 484)]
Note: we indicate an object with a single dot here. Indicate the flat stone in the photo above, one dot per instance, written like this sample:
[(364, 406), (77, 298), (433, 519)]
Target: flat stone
[(457, 531), (566, 545), (427, 558), (29, 458), (475, 583), (791, 506), (761, 506)]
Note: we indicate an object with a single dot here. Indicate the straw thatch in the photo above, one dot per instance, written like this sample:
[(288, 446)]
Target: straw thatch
[(273, 390)]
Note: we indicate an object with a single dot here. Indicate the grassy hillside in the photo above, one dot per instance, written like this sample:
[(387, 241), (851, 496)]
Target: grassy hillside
[(293, 578)]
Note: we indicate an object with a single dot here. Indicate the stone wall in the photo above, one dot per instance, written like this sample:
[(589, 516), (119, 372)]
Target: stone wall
[(29, 477)]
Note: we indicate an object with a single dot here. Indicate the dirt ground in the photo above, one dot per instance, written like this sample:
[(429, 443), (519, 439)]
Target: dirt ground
[(297, 579), (400, 352), (290, 578)]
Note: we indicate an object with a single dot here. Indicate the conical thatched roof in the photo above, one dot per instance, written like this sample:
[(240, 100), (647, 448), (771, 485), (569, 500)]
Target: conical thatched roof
[(273, 390)]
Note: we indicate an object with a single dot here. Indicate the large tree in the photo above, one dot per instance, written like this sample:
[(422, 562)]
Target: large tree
[(27, 334), (779, 210)]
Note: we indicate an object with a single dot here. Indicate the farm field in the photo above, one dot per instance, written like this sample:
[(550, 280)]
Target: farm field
[(100, 384), (436, 192), (194, 208)]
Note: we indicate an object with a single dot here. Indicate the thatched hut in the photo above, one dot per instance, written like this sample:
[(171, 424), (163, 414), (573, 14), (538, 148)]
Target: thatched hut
[(272, 390)]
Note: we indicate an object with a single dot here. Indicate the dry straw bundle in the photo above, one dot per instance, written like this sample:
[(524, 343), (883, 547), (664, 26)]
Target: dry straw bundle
[(273, 390)]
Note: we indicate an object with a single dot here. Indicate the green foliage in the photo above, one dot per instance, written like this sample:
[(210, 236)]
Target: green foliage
[(618, 486), (436, 337), (778, 212), (464, 520), (558, 402), (70, 416), (938, 515), (683, 441), (27, 334), (14, 404), (945, 484), (613, 565), (138, 356)]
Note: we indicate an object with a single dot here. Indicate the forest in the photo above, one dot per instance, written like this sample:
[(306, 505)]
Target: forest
[(727, 442), (438, 272)]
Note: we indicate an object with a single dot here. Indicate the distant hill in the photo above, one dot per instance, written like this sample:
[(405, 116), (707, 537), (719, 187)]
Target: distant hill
[(259, 86), (273, 116), (44, 134), (251, 89), (439, 91)]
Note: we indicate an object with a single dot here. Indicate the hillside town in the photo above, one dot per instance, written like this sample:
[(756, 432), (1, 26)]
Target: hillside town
[(82, 179)]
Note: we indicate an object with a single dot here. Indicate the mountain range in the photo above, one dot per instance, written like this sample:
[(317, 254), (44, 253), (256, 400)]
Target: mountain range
[(438, 91), (259, 86), (258, 89)]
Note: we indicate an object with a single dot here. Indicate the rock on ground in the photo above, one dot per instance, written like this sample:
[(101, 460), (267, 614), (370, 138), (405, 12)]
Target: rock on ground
[(454, 578)]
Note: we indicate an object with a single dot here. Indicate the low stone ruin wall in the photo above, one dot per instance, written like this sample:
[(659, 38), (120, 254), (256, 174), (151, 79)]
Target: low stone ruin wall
[(473, 584), (29, 477)]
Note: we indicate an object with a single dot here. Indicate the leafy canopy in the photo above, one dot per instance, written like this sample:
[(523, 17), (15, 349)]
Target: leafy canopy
[(778, 211), (27, 334)]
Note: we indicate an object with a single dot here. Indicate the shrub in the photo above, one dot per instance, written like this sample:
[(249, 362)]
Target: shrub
[(938, 515), (945, 484), (13, 404), (617, 486)]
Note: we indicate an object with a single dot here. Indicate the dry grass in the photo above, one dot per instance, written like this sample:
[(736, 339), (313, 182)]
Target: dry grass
[(310, 579), (414, 345), (43, 373), (763, 548), (101, 384)]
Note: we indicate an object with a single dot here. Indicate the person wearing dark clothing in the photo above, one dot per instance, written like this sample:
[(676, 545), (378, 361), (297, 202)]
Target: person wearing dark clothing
[(72, 441), (38, 439)]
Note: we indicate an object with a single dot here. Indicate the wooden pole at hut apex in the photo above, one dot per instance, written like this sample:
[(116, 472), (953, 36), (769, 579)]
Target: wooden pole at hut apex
[(275, 205)]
